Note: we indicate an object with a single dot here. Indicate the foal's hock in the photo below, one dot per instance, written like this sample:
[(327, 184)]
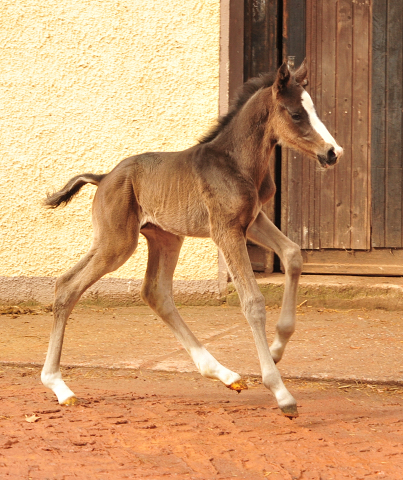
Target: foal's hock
[(214, 189)]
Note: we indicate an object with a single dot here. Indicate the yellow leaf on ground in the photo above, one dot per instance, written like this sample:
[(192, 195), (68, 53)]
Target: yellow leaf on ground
[(31, 418)]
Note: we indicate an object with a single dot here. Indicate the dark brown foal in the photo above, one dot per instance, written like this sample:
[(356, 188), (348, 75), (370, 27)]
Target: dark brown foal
[(215, 189)]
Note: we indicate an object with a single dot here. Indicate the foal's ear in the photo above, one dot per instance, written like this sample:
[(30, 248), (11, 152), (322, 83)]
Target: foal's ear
[(283, 77), (301, 75)]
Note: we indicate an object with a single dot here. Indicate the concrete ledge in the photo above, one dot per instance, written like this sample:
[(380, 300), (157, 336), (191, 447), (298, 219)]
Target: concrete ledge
[(326, 291), (106, 292), (333, 291)]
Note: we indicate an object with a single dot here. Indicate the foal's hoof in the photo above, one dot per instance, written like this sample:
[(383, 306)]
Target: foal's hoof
[(70, 401), (290, 411), (238, 386)]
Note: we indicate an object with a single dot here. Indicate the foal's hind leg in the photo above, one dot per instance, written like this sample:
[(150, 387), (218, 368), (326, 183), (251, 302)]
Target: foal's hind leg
[(69, 288), (114, 242), (266, 234), (163, 253)]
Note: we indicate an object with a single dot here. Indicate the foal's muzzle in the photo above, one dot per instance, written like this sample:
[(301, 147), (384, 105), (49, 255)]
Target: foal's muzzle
[(331, 158)]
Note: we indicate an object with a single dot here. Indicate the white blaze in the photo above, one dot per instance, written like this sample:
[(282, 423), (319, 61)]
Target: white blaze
[(307, 103)]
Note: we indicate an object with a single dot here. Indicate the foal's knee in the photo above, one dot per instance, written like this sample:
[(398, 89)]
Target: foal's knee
[(293, 260), (254, 309)]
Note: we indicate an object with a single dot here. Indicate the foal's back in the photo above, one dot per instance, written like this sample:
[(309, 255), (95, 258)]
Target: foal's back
[(166, 190)]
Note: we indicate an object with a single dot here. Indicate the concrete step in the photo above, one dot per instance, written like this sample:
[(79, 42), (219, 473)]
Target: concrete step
[(332, 291)]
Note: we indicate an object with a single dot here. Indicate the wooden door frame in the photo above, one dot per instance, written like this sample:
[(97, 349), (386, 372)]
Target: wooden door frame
[(230, 79)]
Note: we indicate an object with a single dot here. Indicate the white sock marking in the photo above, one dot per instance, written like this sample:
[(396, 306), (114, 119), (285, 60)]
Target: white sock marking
[(209, 367), (56, 384)]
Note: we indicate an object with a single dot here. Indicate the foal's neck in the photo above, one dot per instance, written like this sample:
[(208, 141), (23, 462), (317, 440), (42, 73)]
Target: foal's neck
[(251, 138)]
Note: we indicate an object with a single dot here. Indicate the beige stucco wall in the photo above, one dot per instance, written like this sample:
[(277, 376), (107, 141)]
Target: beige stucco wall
[(83, 84)]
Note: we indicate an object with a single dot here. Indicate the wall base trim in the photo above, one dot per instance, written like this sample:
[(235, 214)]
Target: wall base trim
[(107, 291)]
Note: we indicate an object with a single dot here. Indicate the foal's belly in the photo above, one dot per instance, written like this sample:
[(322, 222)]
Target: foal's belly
[(169, 197), (193, 223)]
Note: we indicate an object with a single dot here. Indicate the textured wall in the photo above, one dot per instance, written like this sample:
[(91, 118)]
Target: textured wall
[(83, 84)]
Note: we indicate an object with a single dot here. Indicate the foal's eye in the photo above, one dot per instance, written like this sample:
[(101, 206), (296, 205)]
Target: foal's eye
[(296, 116)]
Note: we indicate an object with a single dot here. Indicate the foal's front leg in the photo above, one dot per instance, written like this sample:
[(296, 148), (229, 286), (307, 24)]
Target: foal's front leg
[(233, 247), (265, 233), (163, 254)]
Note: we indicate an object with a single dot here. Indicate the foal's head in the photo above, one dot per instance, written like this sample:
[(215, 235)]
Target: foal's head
[(294, 119)]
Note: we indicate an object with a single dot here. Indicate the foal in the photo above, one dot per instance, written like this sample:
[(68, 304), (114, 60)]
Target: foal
[(214, 189)]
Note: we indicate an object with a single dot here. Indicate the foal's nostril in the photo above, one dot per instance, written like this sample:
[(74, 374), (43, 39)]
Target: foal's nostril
[(331, 156)]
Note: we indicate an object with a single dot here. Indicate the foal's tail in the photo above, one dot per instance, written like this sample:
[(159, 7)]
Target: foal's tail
[(71, 188)]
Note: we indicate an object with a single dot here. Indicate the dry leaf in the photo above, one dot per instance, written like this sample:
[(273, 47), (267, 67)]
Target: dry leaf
[(31, 418)]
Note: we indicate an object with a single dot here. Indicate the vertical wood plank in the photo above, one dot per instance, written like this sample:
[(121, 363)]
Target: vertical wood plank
[(344, 66), (261, 54), (378, 122), (360, 193), (393, 214), (378, 194), (274, 56), (400, 99), (294, 231), (247, 40), (316, 176), (327, 89), (294, 44), (294, 29), (310, 229), (231, 51), (231, 77), (309, 197), (314, 34)]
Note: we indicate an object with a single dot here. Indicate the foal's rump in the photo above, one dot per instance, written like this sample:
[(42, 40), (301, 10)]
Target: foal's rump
[(155, 187)]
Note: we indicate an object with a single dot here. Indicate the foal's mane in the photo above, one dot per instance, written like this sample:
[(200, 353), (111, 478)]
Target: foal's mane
[(244, 93)]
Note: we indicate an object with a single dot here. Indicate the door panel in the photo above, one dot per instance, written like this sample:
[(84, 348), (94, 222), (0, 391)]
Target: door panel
[(330, 209), (387, 108)]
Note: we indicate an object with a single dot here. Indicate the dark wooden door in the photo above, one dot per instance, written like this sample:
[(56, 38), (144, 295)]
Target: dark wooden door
[(349, 219), (330, 209)]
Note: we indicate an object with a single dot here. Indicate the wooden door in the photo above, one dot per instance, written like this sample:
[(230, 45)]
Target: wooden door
[(325, 209), (327, 212), (348, 220)]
